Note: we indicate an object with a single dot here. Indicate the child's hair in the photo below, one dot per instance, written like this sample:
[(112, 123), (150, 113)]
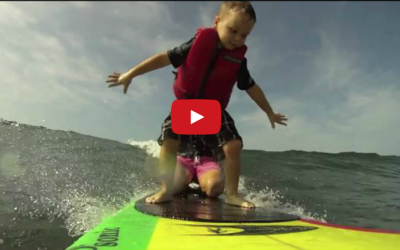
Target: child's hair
[(244, 6)]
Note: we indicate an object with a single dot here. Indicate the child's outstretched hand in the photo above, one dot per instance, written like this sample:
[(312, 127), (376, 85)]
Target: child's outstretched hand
[(277, 118), (120, 79)]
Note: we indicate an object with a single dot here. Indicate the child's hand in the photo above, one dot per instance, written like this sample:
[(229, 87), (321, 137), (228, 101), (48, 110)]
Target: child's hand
[(120, 79), (277, 118)]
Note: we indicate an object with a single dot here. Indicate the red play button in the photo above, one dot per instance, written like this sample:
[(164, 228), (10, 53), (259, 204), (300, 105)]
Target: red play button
[(196, 117)]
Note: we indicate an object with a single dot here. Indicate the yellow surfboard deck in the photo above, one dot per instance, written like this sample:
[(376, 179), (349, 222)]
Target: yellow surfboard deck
[(172, 234), (194, 224)]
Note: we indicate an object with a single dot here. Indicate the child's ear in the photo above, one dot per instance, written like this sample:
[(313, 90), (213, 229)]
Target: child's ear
[(216, 21)]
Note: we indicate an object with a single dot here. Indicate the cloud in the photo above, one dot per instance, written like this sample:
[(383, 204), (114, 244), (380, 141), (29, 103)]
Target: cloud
[(62, 61), (55, 59), (208, 11), (346, 105), (81, 5), (366, 121), (337, 64), (10, 14)]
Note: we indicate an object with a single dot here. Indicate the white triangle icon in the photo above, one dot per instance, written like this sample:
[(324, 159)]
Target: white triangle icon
[(194, 117)]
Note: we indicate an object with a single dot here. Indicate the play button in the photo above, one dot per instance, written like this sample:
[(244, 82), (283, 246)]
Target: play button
[(194, 117), (185, 121)]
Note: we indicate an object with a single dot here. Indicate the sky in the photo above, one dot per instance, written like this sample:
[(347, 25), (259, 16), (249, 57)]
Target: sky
[(332, 68)]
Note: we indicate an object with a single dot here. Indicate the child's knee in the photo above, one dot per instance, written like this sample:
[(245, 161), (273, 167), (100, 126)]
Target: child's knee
[(214, 189)]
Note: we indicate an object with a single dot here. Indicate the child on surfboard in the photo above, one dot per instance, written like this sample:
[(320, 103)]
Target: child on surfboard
[(223, 47)]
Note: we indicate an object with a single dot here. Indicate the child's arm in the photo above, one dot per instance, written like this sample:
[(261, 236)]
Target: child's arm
[(155, 62), (258, 96)]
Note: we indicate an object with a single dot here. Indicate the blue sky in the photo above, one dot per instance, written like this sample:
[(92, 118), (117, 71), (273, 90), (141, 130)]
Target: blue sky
[(332, 68)]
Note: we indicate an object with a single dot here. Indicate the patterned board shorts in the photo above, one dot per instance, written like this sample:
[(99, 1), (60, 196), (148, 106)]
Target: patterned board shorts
[(198, 166), (227, 133)]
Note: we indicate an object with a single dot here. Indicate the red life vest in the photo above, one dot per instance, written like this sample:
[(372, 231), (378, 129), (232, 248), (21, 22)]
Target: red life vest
[(223, 75)]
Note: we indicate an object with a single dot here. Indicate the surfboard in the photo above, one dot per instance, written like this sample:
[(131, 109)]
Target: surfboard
[(191, 221)]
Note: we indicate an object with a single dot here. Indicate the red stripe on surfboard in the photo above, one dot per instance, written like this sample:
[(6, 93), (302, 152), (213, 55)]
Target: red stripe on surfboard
[(350, 227)]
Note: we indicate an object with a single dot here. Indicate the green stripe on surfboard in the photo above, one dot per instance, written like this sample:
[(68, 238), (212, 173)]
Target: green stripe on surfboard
[(127, 229)]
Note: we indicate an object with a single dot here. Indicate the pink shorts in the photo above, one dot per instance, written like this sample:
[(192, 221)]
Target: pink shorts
[(198, 165)]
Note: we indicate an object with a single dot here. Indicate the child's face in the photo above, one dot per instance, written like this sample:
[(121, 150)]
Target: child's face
[(233, 28)]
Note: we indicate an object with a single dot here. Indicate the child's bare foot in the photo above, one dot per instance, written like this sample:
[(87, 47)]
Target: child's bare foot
[(160, 196), (236, 200)]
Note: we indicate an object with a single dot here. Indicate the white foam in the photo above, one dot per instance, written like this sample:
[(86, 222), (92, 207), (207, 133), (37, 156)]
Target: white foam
[(272, 199), (83, 212), (151, 147)]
